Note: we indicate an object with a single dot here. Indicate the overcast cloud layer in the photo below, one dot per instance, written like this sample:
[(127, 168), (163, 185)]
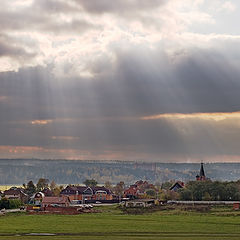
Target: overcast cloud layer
[(141, 80)]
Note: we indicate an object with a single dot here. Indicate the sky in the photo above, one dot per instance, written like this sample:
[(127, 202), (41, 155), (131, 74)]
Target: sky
[(139, 80)]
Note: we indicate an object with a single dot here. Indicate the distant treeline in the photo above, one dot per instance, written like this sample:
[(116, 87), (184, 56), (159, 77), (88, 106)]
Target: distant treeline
[(18, 171)]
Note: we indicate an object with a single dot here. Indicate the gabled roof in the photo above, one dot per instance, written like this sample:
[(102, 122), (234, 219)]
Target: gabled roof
[(177, 185), (141, 182), (81, 189), (73, 190), (14, 191), (47, 192), (88, 191), (56, 200), (38, 195), (95, 189)]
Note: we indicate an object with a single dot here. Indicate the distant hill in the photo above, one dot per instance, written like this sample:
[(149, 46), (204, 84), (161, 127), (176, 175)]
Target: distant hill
[(18, 171)]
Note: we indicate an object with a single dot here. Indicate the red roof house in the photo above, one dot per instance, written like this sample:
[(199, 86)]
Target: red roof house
[(84, 193), (16, 193), (138, 189), (62, 201)]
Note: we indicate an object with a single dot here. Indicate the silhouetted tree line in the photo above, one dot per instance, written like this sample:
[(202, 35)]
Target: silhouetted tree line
[(30, 188), (210, 191), (64, 172)]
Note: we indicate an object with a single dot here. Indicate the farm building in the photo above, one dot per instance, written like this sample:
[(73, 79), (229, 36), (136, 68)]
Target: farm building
[(62, 201), (83, 193), (139, 203)]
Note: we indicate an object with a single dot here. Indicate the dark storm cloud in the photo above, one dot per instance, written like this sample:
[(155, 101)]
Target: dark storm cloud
[(137, 84), (149, 83), (118, 6), (210, 81), (104, 113)]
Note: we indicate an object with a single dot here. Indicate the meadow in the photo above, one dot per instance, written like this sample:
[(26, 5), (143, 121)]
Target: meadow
[(111, 223)]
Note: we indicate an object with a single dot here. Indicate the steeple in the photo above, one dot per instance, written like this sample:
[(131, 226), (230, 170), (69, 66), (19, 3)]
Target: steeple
[(202, 174)]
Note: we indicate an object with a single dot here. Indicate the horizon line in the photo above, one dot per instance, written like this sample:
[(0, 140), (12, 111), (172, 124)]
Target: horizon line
[(115, 160)]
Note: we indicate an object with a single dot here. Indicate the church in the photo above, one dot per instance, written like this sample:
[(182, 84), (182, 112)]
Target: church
[(201, 176)]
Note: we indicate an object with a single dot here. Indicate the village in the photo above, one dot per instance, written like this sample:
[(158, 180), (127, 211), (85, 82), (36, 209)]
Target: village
[(74, 199)]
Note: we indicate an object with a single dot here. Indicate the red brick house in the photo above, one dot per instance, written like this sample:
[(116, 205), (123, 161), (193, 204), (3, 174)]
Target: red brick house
[(102, 193), (138, 189), (77, 192), (62, 201), (16, 193), (236, 206), (132, 191), (47, 192), (83, 193)]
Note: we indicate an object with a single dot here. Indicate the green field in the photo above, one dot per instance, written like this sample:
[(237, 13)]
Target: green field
[(111, 223)]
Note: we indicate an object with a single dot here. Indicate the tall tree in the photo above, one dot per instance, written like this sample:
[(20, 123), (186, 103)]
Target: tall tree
[(151, 193), (108, 185), (30, 188), (55, 188), (90, 182), (42, 183), (53, 185), (119, 188)]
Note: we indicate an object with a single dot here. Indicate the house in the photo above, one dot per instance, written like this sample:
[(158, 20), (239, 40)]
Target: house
[(133, 192), (77, 193), (102, 193), (62, 201), (177, 185), (83, 193), (47, 192), (37, 198), (236, 206), (16, 193), (138, 189)]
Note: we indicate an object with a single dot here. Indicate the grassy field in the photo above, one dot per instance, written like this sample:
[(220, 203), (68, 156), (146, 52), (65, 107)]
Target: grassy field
[(111, 223), (6, 187)]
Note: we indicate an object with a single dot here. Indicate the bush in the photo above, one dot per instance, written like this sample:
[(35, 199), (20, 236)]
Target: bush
[(10, 203), (4, 203), (14, 203)]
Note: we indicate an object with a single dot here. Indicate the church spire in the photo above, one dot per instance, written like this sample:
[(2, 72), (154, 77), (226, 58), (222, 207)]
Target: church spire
[(202, 174)]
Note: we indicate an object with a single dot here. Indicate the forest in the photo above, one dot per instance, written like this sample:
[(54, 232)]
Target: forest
[(19, 171)]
